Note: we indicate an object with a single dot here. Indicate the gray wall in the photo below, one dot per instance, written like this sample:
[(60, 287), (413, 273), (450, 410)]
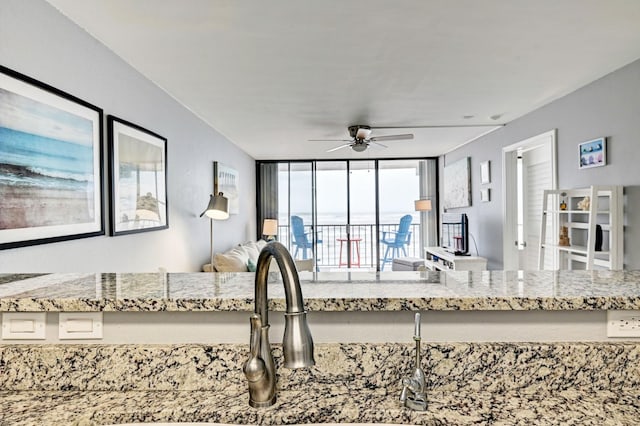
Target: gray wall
[(607, 107), (36, 40)]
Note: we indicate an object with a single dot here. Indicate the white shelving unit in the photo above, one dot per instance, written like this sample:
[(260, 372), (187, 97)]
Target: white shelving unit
[(605, 210), (437, 259)]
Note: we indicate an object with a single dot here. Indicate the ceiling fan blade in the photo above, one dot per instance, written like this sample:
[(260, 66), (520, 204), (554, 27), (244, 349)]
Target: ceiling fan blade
[(440, 126), (392, 137), (329, 140), (339, 147), (379, 144)]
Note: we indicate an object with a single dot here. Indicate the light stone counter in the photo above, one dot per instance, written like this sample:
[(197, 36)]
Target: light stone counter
[(521, 383), (331, 291), (338, 405), (483, 384)]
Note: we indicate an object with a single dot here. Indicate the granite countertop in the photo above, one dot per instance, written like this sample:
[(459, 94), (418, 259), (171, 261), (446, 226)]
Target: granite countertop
[(328, 291), (480, 384), (467, 383), (332, 405)]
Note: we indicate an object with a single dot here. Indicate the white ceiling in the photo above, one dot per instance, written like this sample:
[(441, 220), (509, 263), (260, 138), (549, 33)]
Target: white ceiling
[(269, 75)]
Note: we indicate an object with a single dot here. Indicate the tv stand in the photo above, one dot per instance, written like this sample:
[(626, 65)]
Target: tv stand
[(438, 259)]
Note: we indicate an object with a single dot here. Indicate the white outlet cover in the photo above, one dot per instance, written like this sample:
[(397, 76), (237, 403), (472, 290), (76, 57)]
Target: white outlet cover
[(623, 323), (24, 326), (80, 325)]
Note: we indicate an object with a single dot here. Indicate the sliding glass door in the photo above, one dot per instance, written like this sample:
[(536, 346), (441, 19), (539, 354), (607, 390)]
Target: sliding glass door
[(350, 213), (332, 208), (363, 241), (399, 187), (296, 210), (346, 213)]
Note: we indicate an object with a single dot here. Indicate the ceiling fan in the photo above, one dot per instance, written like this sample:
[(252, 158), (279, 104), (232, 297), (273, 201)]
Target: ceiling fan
[(360, 139)]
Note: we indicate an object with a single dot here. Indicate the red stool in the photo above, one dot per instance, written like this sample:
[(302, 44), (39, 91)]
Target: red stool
[(355, 251)]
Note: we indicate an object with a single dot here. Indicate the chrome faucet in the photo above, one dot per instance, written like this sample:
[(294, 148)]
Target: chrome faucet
[(297, 343), (414, 388)]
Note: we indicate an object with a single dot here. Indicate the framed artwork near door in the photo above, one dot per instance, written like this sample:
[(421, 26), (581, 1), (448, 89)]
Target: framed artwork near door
[(593, 153)]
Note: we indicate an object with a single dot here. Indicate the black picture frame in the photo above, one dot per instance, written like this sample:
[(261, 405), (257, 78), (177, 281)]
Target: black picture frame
[(137, 178), (51, 166)]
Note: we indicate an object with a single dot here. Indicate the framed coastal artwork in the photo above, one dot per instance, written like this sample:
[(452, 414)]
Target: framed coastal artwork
[(226, 181), (593, 153), (137, 178), (50, 164), (457, 184)]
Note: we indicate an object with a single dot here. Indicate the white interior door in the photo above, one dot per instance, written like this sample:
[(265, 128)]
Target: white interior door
[(536, 171), (537, 176)]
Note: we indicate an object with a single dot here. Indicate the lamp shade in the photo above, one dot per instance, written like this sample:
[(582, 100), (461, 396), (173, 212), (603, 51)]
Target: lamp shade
[(218, 207), (270, 227), (423, 205)]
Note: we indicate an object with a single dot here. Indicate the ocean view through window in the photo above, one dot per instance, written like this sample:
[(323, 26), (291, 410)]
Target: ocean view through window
[(347, 205)]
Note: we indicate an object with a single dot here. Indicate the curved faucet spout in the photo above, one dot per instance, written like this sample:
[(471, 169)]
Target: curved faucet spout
[(297, 343)]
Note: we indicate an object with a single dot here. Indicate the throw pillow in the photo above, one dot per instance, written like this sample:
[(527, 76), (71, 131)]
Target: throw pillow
[(251, 266), (235, 260), (252, 250)]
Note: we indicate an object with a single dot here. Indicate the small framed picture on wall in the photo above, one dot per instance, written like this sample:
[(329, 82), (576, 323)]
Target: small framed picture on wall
[(485, 195), (593, 153), (485, 172)]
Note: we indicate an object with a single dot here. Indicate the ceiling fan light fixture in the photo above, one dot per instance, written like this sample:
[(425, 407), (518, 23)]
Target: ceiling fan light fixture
[(359, 146)]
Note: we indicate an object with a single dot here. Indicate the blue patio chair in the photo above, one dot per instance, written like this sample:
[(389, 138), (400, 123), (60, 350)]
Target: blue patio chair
[(301, 239), (396, 240)]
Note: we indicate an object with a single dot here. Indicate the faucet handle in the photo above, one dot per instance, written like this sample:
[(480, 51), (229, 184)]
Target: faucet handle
[(403, 394), (416, 333), (254, 368)]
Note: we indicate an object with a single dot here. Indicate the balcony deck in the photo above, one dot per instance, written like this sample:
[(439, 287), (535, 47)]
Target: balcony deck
[(328, 250)]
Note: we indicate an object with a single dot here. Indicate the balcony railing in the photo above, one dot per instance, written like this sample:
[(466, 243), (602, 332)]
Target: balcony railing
[(328, 247)]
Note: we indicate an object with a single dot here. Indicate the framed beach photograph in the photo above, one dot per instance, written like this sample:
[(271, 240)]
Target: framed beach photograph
[(137, 178), (226, 180), (50, 164), (593, 153)]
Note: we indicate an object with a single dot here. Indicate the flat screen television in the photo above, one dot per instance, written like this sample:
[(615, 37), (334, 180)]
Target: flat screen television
[(455, 233)]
